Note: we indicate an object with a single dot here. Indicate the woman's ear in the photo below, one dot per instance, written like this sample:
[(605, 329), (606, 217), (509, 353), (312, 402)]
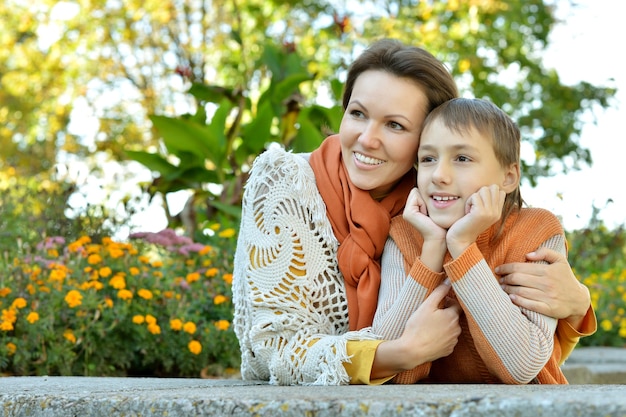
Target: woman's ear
[(511, 178)]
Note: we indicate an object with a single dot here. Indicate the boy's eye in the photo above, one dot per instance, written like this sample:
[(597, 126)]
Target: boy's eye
[(463, 158)]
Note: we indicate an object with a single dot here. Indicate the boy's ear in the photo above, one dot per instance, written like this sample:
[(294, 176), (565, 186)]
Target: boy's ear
[(511, 178)]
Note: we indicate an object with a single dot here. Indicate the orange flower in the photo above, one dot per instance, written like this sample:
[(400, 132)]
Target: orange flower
[(69, 335), (222, 324), (105, 271), (195, 347), (211, 272), (124, 294), (219, 299), (19, 302), (118, 282), (189, 327), (193, 277), (205, 250), (4, 291), (134, 270), (228, 278), (154, 328), (150, 319), (176, 324), (138, 319), (32, 317), (145, 294), (74, 298), (11, 348), (94, 258)]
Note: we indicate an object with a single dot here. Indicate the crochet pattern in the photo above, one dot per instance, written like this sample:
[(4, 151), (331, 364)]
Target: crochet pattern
[(291, 312)]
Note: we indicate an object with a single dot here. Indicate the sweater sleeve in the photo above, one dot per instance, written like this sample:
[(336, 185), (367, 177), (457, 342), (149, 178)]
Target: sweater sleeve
[(515, 343), (399, 296), (291, 316)]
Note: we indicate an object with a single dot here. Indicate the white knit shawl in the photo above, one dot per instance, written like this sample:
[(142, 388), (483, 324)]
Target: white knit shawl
[(291, 313)]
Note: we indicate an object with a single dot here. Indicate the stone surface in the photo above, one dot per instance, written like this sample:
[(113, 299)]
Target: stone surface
[(106, 397), (596, 376)]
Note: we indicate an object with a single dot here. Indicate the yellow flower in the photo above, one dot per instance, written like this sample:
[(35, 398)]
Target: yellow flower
[(219, 299), (11, 348), (4, 291), (176, 324), (230, 232), (108, 302), (94, 258), (138, 319), (19, 302), (69, 335), (606, 325), (211, 272), (53, 253), (154, 328), (57, 275), (118, 282), (193, 277), (124, 294), (222, 324), (189, 327), (145, 294), (9, 315), (6, 326), (144, 259), (32, 317), (228, 278), (157, 264), (134, 270), (116, 252), (74, 298), (195, 347), (150, 319), (105, 271)]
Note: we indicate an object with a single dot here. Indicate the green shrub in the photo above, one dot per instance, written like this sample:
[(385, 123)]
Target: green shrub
[(598, 256), (159, 306)]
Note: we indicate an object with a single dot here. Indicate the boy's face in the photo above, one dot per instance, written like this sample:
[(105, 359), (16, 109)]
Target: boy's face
[(452, 167)]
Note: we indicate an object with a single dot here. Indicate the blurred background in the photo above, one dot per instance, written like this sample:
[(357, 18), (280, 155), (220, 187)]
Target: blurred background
[(127, 129)]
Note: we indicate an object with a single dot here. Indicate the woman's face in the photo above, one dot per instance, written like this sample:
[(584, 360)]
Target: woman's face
[(380, 130)]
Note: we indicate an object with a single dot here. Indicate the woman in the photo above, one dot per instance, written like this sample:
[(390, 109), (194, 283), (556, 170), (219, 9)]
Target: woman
[(307, 266)]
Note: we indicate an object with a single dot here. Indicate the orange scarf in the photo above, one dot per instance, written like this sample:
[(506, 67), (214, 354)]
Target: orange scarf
[(361, 225)]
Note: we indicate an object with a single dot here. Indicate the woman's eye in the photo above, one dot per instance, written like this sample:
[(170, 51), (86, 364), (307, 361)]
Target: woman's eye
[(357, 113), (396, 126)]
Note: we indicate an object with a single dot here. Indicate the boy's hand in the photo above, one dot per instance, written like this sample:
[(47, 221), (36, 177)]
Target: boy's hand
[(416, 213), (482, 210)]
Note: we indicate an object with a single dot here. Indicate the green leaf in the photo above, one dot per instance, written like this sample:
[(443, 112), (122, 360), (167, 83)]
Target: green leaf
[(257, 133), (181, 135), (152, 161)]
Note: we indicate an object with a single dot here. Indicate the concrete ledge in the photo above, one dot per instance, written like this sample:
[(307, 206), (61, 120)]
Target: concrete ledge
[(145, 397), (596, 365)]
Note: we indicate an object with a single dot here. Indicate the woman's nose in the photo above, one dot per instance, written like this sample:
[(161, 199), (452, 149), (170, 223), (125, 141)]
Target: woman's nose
[(370, 136)]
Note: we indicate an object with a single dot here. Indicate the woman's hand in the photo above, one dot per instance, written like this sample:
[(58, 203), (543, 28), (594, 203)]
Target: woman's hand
[(552, 290), (431, 332)]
